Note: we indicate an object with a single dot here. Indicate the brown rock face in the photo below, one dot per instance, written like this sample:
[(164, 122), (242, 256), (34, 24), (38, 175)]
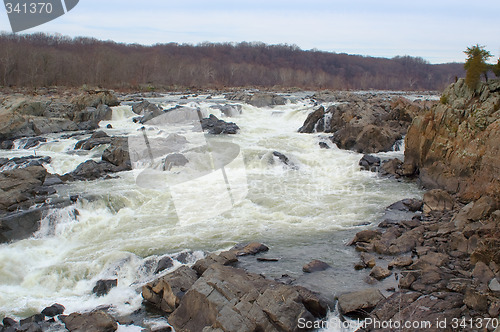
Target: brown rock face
[(212, 295), (456, 144), (364, 124)]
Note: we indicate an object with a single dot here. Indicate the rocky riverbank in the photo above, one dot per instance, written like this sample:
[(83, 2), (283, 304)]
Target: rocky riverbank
[(446, 258), (441, 250)]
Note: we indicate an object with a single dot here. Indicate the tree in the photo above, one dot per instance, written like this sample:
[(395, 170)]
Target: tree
[(475, 65), (496, 68)]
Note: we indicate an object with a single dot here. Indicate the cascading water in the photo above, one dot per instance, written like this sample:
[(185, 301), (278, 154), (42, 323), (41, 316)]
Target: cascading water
[(119, 229)]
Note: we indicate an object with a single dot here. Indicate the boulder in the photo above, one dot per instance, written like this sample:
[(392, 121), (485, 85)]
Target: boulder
[(54, 310), (95, 321), (392, 167), (164, 263), (94, 98), (314, 122), (102, 287), (92, 170), (401, 261), (476, 301), (89, 118), (214, 126), (42, 126), (97, 138), (117, 154), (224, 258), (437, 200), (284, 160), (233, 299), (174, 160), (32, 142), (369, 163), (407, 204), (380, 273), (368, 235), (145, 107), (315, 266), (252, 248), (482, 208), (24, 162), (165, 293), (20, 186), (359, 302), (20, 225)]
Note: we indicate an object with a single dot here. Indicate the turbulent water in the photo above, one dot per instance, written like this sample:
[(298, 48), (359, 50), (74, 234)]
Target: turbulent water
[(123, 226)]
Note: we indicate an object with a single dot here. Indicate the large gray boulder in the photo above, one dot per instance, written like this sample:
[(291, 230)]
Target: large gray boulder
[(118, 153)]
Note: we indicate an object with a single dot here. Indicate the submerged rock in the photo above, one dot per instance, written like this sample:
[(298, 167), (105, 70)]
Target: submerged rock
[(315, 266), (285, 160)]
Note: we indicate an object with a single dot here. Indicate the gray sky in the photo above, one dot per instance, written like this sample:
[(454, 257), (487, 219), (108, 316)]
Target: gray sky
[(438, 31)]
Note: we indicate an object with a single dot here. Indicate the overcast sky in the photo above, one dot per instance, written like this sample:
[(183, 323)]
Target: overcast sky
[(436, 30)]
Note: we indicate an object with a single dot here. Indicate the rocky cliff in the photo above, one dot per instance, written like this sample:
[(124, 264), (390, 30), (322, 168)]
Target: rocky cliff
[(456, 144)]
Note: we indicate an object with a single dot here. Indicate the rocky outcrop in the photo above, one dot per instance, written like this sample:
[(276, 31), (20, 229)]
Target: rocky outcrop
[(147, 110), (258, 99), (20, 189), (26, 116), (97, 138), (215, 295), (118, 154), (214, 126), (366, 125), (456, 144), (94, 98), (91, 170)]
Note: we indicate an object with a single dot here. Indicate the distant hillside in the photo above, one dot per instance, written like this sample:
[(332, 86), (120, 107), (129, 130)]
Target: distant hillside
[(46, 60)]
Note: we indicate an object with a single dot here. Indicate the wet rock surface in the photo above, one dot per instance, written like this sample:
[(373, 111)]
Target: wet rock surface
[(214, 293), (215, 126)]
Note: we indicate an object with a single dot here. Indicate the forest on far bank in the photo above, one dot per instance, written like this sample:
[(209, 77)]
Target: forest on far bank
[(39, 60)]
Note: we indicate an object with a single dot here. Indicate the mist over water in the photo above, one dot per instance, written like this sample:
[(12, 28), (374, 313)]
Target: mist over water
[(122, 228)]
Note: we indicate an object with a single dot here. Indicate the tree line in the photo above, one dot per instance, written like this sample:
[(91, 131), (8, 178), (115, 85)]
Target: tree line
[(37, 60)]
